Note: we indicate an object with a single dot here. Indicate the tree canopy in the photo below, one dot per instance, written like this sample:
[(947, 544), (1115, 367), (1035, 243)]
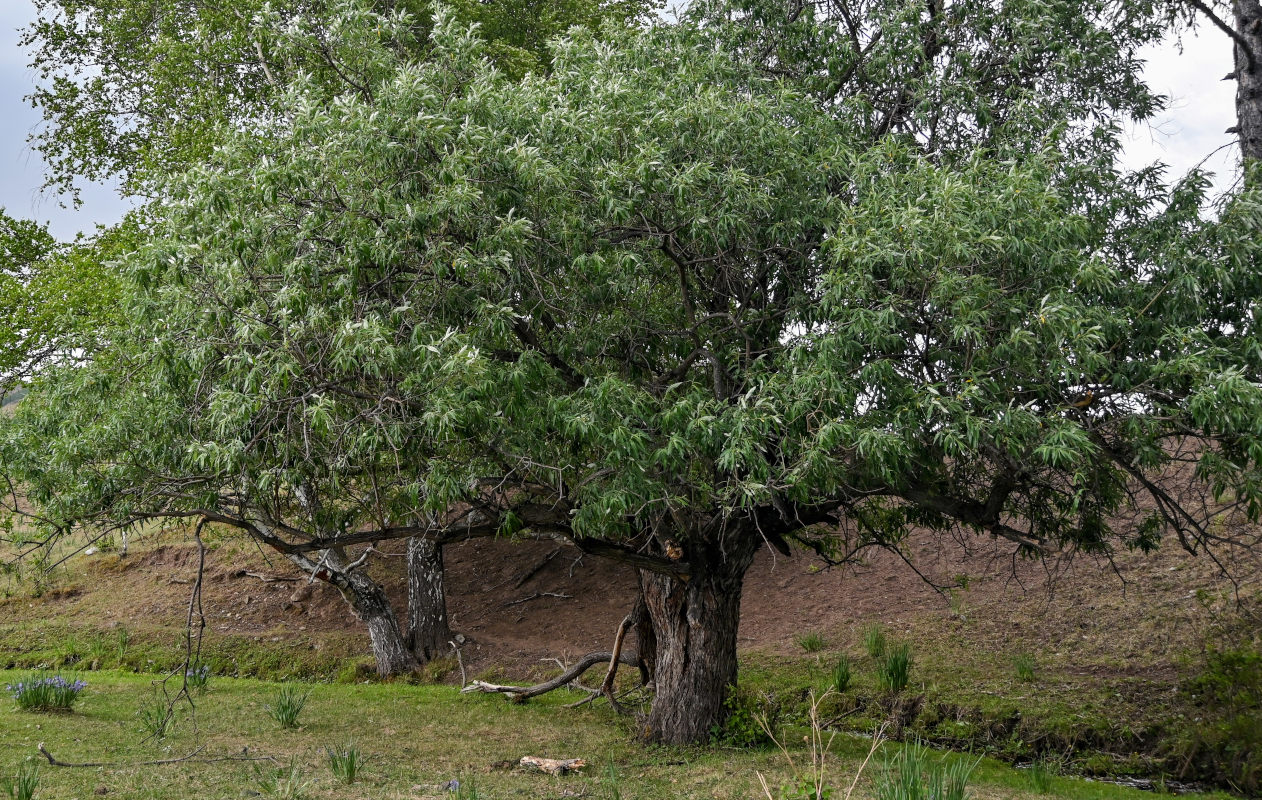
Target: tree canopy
[(134, 89), (674, 302)]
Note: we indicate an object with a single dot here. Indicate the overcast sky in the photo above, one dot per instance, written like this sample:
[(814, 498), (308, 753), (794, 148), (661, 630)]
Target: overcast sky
[(1202, 109)]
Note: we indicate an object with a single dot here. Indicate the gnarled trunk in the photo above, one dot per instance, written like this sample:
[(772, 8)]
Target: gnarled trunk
[(370, 603), (372, 606), (428, 632), (694, 628), (645, 639)]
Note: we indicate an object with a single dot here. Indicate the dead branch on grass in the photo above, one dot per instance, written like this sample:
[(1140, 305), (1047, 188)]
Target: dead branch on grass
[(519, 694), (242, 756)]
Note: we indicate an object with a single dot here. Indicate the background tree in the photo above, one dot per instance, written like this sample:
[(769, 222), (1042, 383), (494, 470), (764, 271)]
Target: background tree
[(56, 301), (673, 332)]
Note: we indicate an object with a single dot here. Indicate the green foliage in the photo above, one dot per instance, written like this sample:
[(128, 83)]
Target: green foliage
[(1026, 667), (157, 718), (1226, 738), (894, 668), (345, 762), (910, 775), (23, 784), (842, 674), (143, 88), (874, 641), (811, 642), (287, 705), (283, 783), (748, 719)]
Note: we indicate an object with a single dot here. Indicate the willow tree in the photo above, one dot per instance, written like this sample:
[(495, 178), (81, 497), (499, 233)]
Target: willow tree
[(135, 90), (667, 303)]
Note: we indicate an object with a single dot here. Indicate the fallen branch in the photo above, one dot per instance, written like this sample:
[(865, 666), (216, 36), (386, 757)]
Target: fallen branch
[(536, 596), (243, 756), (519, 694)]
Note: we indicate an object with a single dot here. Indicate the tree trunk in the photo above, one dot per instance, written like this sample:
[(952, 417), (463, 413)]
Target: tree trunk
[(372, 606), (645, 640), (370, 603), (427, 601), (694, 625), (1248, 19)]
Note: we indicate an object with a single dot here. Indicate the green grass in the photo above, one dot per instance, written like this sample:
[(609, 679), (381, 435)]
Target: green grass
[(843, 673), (287, 706), (811, 642), (874, 641), (419, 736), (894, 668), (1026, 667)]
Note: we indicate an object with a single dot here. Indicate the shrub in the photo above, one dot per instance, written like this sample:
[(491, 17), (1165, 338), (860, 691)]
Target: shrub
[(288, 705), (842, 674), (45, 692), (1026, 667), (874, 641), (811, 642), (21, 786), (894, 669), (345, 762)]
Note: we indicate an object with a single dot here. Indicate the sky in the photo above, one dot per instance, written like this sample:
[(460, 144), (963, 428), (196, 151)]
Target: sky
[(1194, 126)]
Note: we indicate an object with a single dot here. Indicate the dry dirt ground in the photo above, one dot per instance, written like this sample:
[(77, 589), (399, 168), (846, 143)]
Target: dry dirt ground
[(519, 604)]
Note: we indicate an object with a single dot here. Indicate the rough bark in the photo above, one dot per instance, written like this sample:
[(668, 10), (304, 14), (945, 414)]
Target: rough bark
[(372, 606), (1248, 48), (646, 642), (370, 603), (428, 632), (694, 626)]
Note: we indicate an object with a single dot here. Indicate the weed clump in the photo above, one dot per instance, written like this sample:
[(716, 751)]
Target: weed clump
[(894, 668), (842, 675), (21, 786), (345, 762), (811, 642), (1026, 667), (287, 706), (874, 641), (910, 775)]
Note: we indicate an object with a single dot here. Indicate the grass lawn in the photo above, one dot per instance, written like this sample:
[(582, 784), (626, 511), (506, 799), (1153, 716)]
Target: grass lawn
[(415, 738)]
